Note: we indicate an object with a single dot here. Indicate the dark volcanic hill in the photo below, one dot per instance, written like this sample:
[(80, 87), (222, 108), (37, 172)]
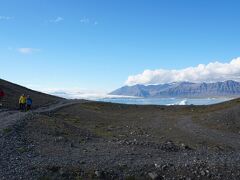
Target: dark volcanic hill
[(13, 92), (182, 89)]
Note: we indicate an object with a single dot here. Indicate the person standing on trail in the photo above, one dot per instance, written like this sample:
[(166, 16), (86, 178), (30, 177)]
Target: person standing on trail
[(22, 102), (29, 102), (1, 96)]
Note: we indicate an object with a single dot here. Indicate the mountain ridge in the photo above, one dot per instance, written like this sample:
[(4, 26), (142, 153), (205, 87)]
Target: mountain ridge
[(182, 89)]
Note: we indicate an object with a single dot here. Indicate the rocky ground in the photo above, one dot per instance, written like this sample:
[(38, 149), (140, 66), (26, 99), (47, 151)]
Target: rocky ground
[(89, 140)]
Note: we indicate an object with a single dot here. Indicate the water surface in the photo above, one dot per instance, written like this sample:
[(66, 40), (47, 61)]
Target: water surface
[(165, 101)]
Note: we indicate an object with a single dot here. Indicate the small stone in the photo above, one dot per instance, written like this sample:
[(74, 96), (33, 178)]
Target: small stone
[(157, 165), (98, 173), (202, 173), (153, 175), (59, 138), (29, 155), (61, 171), (164, 167), (82, 162)]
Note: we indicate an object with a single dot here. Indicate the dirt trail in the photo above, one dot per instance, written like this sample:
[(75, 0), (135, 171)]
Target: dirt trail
[(10, 117), (230, 139)]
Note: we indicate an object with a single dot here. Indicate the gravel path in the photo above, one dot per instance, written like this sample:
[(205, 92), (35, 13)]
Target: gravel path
[(10, 117)]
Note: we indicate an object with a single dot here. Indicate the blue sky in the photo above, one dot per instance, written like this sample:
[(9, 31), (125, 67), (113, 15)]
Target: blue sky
[(97, 45)]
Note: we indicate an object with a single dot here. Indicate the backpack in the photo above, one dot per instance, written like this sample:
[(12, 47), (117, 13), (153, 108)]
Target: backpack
[(1, 93)]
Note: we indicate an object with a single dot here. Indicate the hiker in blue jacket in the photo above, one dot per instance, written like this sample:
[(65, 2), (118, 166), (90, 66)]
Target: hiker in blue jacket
[(29, 103)]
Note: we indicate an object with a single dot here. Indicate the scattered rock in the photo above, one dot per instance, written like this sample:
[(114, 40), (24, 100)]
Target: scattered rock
[(82, 162), (153, 175), (157, 165), (59, 139), (164, 167), (202, 173), (183, 146), (98, 173), (169, 146)]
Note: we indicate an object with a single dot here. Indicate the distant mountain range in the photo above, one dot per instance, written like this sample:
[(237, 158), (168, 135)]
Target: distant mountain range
[(182, 89)]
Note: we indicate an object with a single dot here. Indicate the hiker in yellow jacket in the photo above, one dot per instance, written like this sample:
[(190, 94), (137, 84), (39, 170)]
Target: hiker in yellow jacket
[(22, 102)]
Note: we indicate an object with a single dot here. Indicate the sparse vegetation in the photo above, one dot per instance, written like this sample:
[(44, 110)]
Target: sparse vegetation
[(7, 130)]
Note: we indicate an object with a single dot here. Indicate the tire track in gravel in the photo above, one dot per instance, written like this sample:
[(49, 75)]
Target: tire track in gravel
[(230, 139)]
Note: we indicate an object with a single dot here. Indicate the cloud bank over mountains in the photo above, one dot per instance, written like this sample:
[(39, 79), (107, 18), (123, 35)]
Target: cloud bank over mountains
[(212, 72), (82, 94)]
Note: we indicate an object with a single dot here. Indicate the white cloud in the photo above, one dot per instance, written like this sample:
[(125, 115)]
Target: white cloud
[(86, 20), (5, 18), (27, 50), (211, 72), (80, 94), (57, 20)]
